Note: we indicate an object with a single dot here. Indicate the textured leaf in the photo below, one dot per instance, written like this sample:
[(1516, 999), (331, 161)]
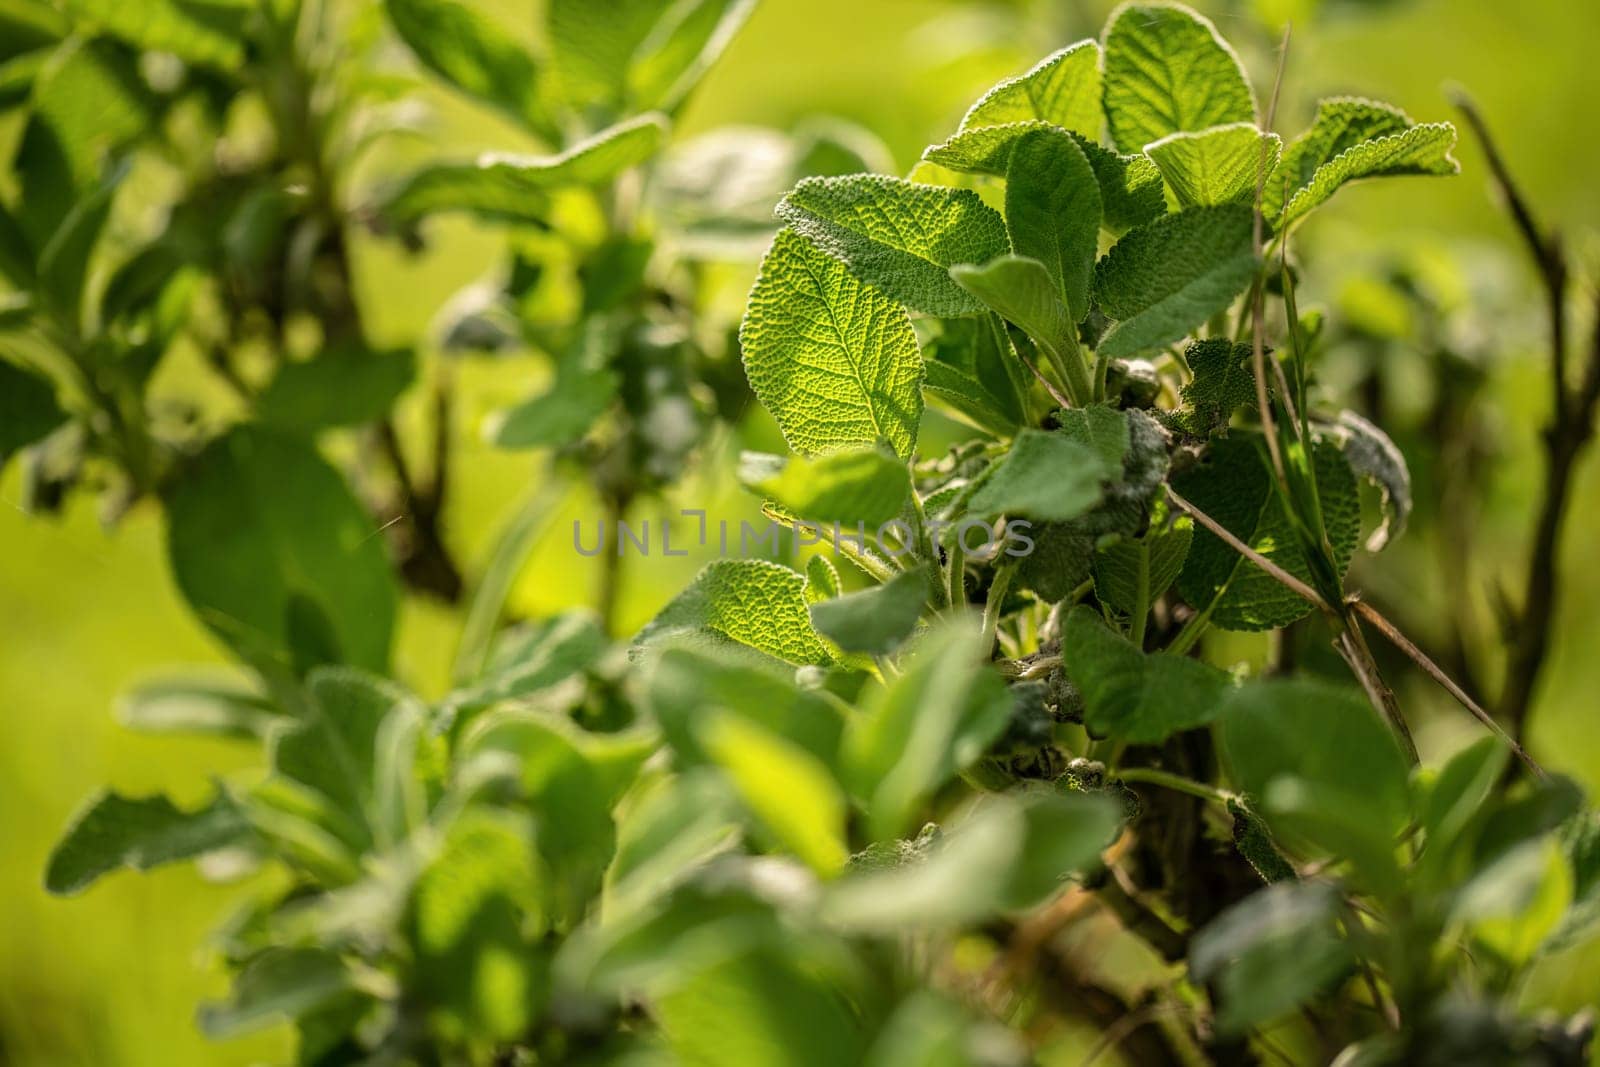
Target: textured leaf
[(1341, 125), (1235, 488), (972, 366), (1215, 166), (874, 621), (788, 790), (822, 579), (28, 409), (559, 415), (1133, 696), (867, 485), (1020, 290), (471, 53), (1134, 571), (277, 557), (1053, 212), (899, 236), (277, 983), (749, 601), (1223, 382), (1166, 278), (1045, 476), (1271, 952), (917, 732), (1166, 70), (1373, 456), (1130, 186), (116, 831), (592, 46), (341, 386), (515, 187), (1062, 89), (202, 33), (834, 360), (534, 657)]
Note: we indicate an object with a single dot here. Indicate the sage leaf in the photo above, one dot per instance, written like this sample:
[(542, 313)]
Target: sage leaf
[(748, 601), (115, 831), (1046, 476), (1053, 212), (1133, 696), (1215, 166), (877, 620), (1166, 70), (472, 53), (1062, 89)]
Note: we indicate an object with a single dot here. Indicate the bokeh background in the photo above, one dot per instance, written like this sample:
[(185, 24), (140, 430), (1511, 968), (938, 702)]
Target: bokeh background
[(112, 978)]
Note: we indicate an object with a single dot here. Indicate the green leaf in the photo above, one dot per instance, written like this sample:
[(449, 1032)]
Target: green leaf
[(64, 261), (1374, 457), (834, 360), (1062, 89), (1222, 383), (115, 831), (28, 26), (789, 791), (857, 485), (515, 188), (899, 236), (673, 827), (1271, 952), (1008, 853), (533, 658), (263, 537), (1046, 476), (685, 681), (592, 46), (1517, 901), (469, 908), (1165, 278), (748, 601), (1130, 186), (681, 48), (277, 983), (1216, 166), (822, 580), (208, 34), (28, 409), (558, 416), (1021, 291), (972, 366), (1167, 69), (874, 621), (471, 53), (1235, 487), (344, 385), (1132, 572), (198, 706), (1351, 139), (1133, 696), (1053, 212), (1325, 736), (916, 733)]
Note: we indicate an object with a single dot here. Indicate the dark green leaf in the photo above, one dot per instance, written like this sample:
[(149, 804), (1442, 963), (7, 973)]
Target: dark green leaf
[(1053, 212), (28, 409), (874, 621), (471, 53), (344, 385), (1132, 572), (278, 983), (116, 831), (1133, 696), (1045, 476), (1222, 383), (560, 415), (972, 366)]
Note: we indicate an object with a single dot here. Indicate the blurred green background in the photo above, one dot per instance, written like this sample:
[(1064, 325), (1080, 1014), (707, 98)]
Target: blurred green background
[(113, 978)]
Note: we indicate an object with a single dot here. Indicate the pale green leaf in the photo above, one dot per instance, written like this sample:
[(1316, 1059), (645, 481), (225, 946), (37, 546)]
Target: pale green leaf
[(1053, 212), (1215, 166), (680, 48), (672, 827), (592, 46), (1020, 290), (822, 579), (1130, 186), (278, 983), (748, 601), (1421, 149), (1167, 69), (874, 621), (559, 415), (516, 187), (1062, 89), (1132, 696), (197, 705), (899, 236), (115, 831), (789, 791), (834, 360), (859, 485), (1166, 278), (534, 657), (470, 52), (1235, 488), (1045, 476)]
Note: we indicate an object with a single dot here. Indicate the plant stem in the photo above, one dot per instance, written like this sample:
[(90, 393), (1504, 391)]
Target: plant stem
[(1176, 782), (998, 587)]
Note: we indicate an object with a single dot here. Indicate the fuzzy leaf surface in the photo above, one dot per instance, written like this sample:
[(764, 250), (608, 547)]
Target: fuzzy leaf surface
[(1166, 70), (1062, 89), (140, 833), (748, 601), (1133, 696), (1215, 166), (1053, 212)]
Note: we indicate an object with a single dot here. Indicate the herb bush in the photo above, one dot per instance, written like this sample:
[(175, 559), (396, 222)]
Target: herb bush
[(981, 796)]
